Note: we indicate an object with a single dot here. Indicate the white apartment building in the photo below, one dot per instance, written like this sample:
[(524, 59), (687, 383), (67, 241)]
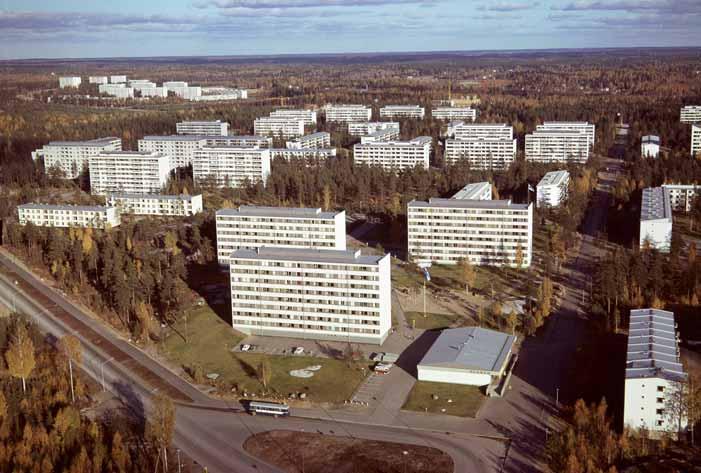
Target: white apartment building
[(321, 139), (254, 226), (654, 372), (209, 128), (307, 116), (650, 146), (454, 113), (71, 157), (160, 92), (473, 131), (210, 94), (155, 204), (558, 146), (118, 79), (278, 126), (681, 196), (45, 215), (695, 140), (304, 153), (180, 148), (183, 90), (239, 140), (394, 154), (552, 189), (656, 219), (481, 153), (139, 84), (690, 114), (311, 293), (98, 79), (130, 172), (348, 113), (402, 111), (387, 134), (68, 82), (368, 128), (120, 90), (231, 166), (582, 127), (486, 232), (475, 191)]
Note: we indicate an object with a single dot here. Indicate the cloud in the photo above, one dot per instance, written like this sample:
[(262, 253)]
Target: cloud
[(670, 6), (507, 6), (283, 4)]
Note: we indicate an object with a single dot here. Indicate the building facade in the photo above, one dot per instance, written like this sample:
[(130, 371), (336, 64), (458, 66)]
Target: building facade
[(472, 131), (321, 139), (581, 127), (69, 82), (180, 148), (156, 204), (98, 79), (304, 153), (118, 79), (402, 111), (690, 114), (387, 134), (454, 113), (552, 189), (310, 293), (347, 113), (121, 91), (278, 126), (208, 128), (70, 158), (650, 146), (481, 153), (307, 116), (394, 154), (130, 172), (368, 128), (656, 219), (557, 146), (45, 215), (681, 196), (230, 166), (696, 140)]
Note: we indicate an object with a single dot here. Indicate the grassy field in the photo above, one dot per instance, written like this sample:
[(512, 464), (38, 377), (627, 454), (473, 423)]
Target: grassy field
[(466, 399), (431, 321)]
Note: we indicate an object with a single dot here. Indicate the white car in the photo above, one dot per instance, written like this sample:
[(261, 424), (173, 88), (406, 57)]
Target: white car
[(246, 347), (298, 351), (383, 368)]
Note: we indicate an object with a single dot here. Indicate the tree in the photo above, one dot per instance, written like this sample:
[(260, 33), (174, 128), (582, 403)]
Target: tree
[(327, 197), (70, 347), (519, 256), (467, 273), (264, 372), (161, 426), (20, 355)]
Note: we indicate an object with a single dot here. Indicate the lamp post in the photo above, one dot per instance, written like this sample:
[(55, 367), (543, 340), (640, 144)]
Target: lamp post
[(177, 450)]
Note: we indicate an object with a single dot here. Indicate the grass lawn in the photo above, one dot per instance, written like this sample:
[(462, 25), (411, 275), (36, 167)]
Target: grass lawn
[(466, 399), (431, 321)]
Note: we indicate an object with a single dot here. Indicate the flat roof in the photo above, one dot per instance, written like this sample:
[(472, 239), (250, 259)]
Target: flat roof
[(655, 204), (140, 154), (285, 212), (558, 131), (470, 348), (471, 191), (467, 204), (154, 196), (554, 178), (308, 255), (312, 135), (196, 122), (92, 208), (654, 139), (652, 346), (565, 123), (96, 142), (418, 141), (204, 137)]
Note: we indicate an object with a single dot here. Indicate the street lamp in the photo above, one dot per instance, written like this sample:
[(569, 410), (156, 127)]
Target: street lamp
[(102, 371), (177, 450)]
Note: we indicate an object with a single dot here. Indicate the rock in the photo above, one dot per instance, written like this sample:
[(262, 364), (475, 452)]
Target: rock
[(450, 400), (434, 397), (213, 376), (302, 395)]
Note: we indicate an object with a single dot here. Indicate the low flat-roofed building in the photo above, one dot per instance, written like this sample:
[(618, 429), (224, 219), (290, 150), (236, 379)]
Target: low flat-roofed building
[(656, 219), (402, 111), (650, 146), (70, 158), (320, 139), (690, 114), (85, 216), (209, 128), (681, 196), (231, 166), (68, 82), (156, 204), (98, 80), (552, 189), (347, 113), (394, 155), (454, 113), (472, 356), (130, 172), (475, 191), (368, 128)]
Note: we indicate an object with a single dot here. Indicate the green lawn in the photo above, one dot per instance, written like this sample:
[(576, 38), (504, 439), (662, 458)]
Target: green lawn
[(431, 321), (466, 399)]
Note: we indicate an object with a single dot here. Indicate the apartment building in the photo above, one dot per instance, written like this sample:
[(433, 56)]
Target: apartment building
[(402, 111), (654, 373), (475, 191), (473, 131), (183, 90), (255, 226), (98, 79), (141, 84), (180, 148), (387, 134), (690, 114), (394, 154), (650, 146), (681, 196), (159, 92), (307, 116), (45, 215), (303, 153), (481, 153), (656, 219), (368, 128), (581, 127), (202, 128), (70, 158), (130, 172), (696, 140), (118, 79), (558, 146), (121, 91), (230, 166), (454, 113), (211, 94), (486, 232), (311, 293), (157, 205), (321, 139), (69, 82), (347, 113), (278, 126), (552, 189)]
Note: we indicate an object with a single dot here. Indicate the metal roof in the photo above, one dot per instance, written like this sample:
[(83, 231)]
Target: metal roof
[(554, 178), (90, 208), (96, 142), (283, 212), (655, 204), (468, 204), (308, 255), (652, 346), (472, 191)]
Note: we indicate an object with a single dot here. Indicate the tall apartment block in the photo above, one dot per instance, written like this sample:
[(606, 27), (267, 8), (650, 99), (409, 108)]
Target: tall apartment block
[(582, 127), (131, 172), (552, 189), (690, 114), (303, 153), (368, 128), (475, 191), (45, 215), (71, 157), (696, 140), (681, 196), (650, 146), (558, 146), (654, 373), (321, 139), (209, 128), (347, 113), (402, 111), (156, 204), (394, 154), (278, 126), (68, 82), (454, 113), (307, 116), (484, 146), (489, 232), (656, 219), (254, 226), (230, 166), (311, 294)]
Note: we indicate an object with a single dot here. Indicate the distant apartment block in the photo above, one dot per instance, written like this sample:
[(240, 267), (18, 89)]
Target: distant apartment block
[(311, 293), (473, 131), (98, 79), (130, 172), (347, 113), (212, 94), (208, 128), (402, 111), (321, 139), (140, 84), (253, 227), (118, 79), (239, 140), (120, 90), (654, 373), (486, 232), (230, 166), (581, 127), (71, 157), (180, 148), (650, 146), (69, 82), (475, 191), (368, 128), (156, 204), (552, 189), (45, 215), (303, 153), (454, 113), (183, 90), (387, 134), (696, 140), (307, 116), (681, 196), (557, 146), (656, 219), (481, 153), (690, 114), (279, 126), (394, 154), (160, 92)]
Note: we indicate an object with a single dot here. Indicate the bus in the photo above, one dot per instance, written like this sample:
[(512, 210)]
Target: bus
[(269, 408)]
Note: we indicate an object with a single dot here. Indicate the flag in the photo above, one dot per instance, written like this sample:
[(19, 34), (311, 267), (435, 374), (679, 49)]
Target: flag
[(530, 188), (427, 275)]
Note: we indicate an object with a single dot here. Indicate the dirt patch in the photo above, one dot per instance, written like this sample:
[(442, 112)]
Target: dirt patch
[(297, 452)]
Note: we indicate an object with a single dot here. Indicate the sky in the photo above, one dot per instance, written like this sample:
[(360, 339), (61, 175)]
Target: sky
[(142, 28)]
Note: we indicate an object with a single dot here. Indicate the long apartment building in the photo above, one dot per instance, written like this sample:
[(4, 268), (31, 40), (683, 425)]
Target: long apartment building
[(71, 157), (118, 79), (119, 90), (230, 166), (484, 146), (557, 146), (654, 373), (98, 80), (696, 140), (202, 128), (307, 116), (347, 113), (303, 153), (681, 196), (402, 111), (454, 113), (131, 172), (552, 189), (486, 232), (278, 126), (368, 128), (656, 219), (690, 114), (182, 148), (475, 191), (68, 82), (387, 134), (320, 139), (255, 226), (157, 205), (46, 215), (312, 294), (587, 128), (394, 154)]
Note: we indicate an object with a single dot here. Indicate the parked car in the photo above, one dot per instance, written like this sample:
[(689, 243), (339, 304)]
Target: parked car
[(383, 368), (298, 351), (246, 347)]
